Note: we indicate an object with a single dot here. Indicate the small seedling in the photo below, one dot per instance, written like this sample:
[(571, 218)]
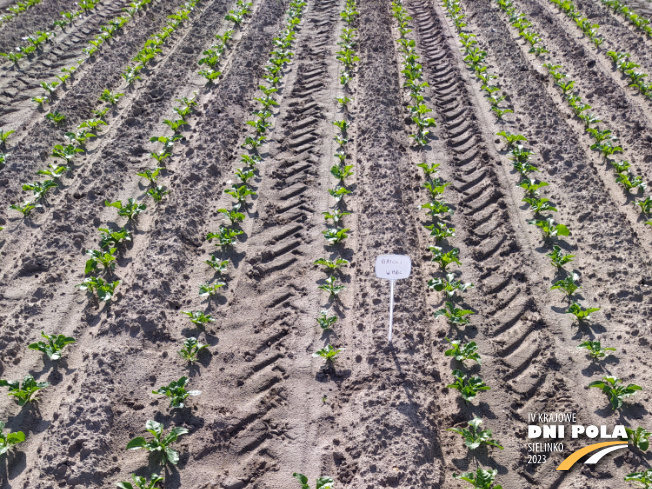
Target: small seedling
[(639, 438), (615, 392), (595, 349), (322, 482), (110, 98), (157, 193), (110, 239), (210, 290), (335, 236), (225, 236), (191, 348), (332, 265), (474, 436), (176, 391), (104, 289), (130, 210), (449, 285), (98, 257), (581, 314), (463, 351), (454, 315), (54, 345), (25, 208), (329, 353), (444, 259), (568, 284), (332, 287), (141, 482), (325, 321), (558, 258), (198, 317), (160, 445), (219, 266), (481, 478), (25, 393), (468, 387)]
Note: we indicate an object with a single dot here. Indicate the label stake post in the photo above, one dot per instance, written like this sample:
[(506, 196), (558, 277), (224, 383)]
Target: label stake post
[(391, 309), (392, 268)]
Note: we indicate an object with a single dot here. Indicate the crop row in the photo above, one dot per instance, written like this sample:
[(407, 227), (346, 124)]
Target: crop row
[(520, 158), (16, 9), (335, 233), (638, 21), (39, 38), (438, 213), (605, 141), (100, 266), (621, 60), (76, 141)]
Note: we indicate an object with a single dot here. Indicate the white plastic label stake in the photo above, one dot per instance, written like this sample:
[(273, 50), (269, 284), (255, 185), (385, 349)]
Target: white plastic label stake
[(392, 268)]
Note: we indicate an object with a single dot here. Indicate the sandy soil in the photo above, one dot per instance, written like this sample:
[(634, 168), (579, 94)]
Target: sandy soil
[(268, 408)]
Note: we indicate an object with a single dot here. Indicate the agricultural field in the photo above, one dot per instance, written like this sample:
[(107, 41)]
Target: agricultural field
[(195, 193)]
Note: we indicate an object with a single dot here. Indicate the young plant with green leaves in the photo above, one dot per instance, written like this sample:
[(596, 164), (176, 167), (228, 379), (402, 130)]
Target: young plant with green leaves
[(321, 483), (568, 284), (558, 258), (440, 231), (329, 353), (141, 482), (325, 321), (157, 193), (106, 259), (104, 289), (468, 387), (639, 438), (641, 479), (130, 210), (463, 351), (240, 193), (456, 316), (474, 436), (25, 208), (332, 265), (480, 479), (581, 314), (55, 117), (110, 98), (159, 446), (114, 239), (199, 318), (210, 290), (225, 236), (191, 349), (338, 192), (335, 236), (54, 346), (219, 266), (616, 392), (331, 286), (449, 285), (444, 258), (66, 153), (26, 392), (150, 175), (54, 170), (594, 349), (176, 391), (549, 228), (10, 440), (40, 189)]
